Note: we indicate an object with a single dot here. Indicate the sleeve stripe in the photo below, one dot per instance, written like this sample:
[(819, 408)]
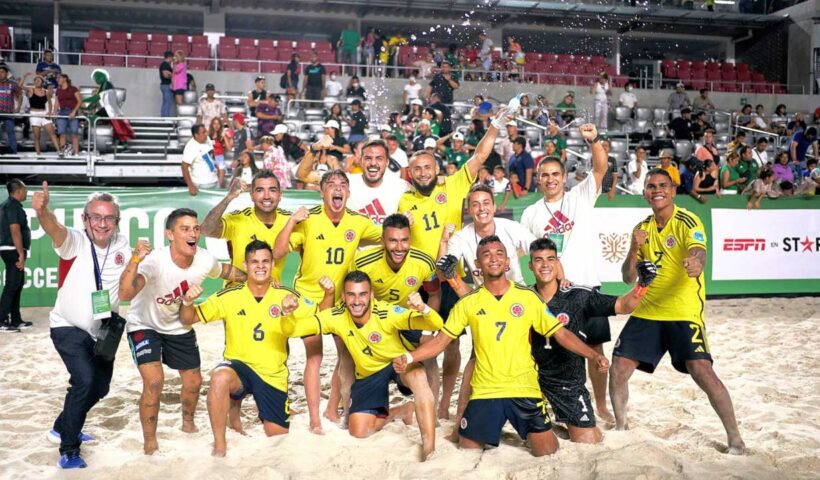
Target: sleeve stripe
[(200, 314), (554, 329), (448, 332)]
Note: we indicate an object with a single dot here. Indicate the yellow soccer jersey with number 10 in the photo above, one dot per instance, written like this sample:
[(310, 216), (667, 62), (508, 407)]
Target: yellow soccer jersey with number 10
[(328, 249), (253, 329), (673, 296), (241, 227), (501, 338), (393, 286)]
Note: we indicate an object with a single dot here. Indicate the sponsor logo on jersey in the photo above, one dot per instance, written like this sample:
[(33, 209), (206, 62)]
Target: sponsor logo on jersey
[(441, 198), (375, 211), (242, 313), (308, 301), (563, 318), (517, 310), (143, 352), (670, 242), (141, 344), (175, 296), (274, 311), (138, 336), (119, 258), (481, 312), (398, 309), (411, 281), (350, 235), (375, 337), (559, 223), (463, 423), (698, 235)]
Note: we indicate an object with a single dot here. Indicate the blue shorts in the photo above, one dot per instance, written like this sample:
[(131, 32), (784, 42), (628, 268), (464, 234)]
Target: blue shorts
[(484, 418), (272, 403), (372, 394), (67, 125)]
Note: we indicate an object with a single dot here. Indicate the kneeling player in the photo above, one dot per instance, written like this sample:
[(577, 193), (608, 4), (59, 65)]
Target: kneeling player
[(370, 330), (501, 315), (562, 373)]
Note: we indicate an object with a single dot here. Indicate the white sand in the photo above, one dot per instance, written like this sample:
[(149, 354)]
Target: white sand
[(764, 351)]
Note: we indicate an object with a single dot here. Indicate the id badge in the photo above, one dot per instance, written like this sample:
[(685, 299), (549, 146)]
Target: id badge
[(558, 238), (100, 305)]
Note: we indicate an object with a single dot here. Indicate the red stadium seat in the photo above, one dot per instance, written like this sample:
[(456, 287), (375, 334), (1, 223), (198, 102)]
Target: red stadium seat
[(582, 59), (549, 57), (199, 40), (135, 62), (93, 45), (728, 76), (598, 60), (620, 80), (119, 36), (137, 48), (157, 48), (696, 64), (337, 69), (591, 69), (159, 37), (698, 84), (248, 52), (139, 37), (197, 64), (563, 58), (667, 63), (92, 60), (670, 71), (284, 54), (778, 89), (697, 75), (185, 47), (199, 50), (227, 41), (226, 51), (327, 57), (532, 56), (742, 67), (712, 76), (758, 77), (712, 67), (153, 62), (113, 61), (116, 46), (744, 76), (247, 42), (286, 44), (560, 68), (179, 38), (271, 67), (230, 66), (610, 70), (323, 46), (266, 43), (575, 68), (267, 54), (97, 35), (250, 67)]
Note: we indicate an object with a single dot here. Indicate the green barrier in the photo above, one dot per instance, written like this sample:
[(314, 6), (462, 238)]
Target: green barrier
[(143, 212)]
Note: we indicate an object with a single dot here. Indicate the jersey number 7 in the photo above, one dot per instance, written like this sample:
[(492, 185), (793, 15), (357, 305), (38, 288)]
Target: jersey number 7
[(501, 326)]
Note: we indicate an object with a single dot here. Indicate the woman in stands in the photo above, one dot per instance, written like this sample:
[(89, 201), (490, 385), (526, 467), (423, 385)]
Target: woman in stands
[(706, 180), (744, 118), (335, 113), (246, 167), (779, 120), (369, 50), (355, 89), (179, 82), (40, 101), (221, 143), (416, 107), (783, 172)]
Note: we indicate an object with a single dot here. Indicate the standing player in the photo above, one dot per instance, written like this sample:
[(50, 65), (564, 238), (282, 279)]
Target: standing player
[(371, 331), (372, 192), (326, 237), (256, 347), (670, 317), (560, 372), (157, 283), (501, 315), (261, 222), (567, 220)]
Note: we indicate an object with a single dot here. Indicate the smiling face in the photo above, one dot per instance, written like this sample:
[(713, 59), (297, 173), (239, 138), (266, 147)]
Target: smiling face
[(335, 193), (423, 172), (357, 296), (266, 194), (492, 260), (659, 191), (259, 264), (396, 245), (551, 179), (544, 265), (184, 236), (100, 220), (481, 208), (374, 163)]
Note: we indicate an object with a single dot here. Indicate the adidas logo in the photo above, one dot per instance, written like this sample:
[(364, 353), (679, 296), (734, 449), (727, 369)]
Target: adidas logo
[(241, 312), (350, 333), (414, 207), (481, 312), (379, 280), (320, 237), (585, 418), (699, 350)]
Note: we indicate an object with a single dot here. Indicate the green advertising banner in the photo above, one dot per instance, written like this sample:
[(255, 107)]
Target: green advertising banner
[(792, 246)]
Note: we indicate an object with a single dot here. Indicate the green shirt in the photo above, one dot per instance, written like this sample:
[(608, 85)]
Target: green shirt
[(733, 175), (350, 40), (565, 108), (748, 169), (559, 141), (459, 158)]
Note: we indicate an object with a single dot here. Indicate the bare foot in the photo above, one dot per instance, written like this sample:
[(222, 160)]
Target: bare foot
[(427, 453), (332, 414), (150, 446), (453, 436), (237, 427), (736, 447), (604, 414), (189, 427), (219, 451), (316, 429), (443, 414), (407, 413)]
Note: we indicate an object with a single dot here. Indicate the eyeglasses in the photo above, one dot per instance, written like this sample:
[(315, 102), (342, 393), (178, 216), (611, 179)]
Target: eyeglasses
[(94, 218)]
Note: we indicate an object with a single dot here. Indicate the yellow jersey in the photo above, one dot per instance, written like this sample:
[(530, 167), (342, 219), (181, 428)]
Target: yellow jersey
[(375, 344), (431, 213), (390, 286), (253, 328), (673, 296), (500, 328), (329, 249), (240, 227)]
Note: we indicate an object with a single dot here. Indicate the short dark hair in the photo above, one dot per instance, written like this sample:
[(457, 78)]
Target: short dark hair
[(811, 161), (396, 220), (542, 244), (338, 172), (521, 141), (377, 142), (167, 54), (391, 138), (357, 276), (195, 129), (762, 140), (263, 174), (557, 160), (257, 245), (480, 187), (810, 132), (743, 149), (740, 133), (489, 239), (659, 171), (177, 214), (702, 90), (14, 185)]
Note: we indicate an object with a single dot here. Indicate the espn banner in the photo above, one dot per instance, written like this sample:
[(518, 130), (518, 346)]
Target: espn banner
[(765, 244)]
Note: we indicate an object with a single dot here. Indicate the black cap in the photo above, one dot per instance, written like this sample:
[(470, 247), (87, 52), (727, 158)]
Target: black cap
[(210, 86), (356, 101)]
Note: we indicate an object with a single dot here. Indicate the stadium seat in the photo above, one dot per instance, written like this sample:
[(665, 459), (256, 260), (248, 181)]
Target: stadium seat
[(590, 69), (139, 37), (268, 54), (113, 61), (230, 66), (179, 38), (273, 67), (135, 62), (249, 67), (199, 64), (136, 47), (323, 46), (226, 51), (116, 46), (185, 47), (549, 57), (92, 60), (619, 80), (248, 52), (153, 62), (564, 58), (742, 67), (93, 45), (266, 43), (598, 60), (744, 76), (199, 50), (97, 35), (327, 57), (199, 40), (157, 48), (118, 36), (670, 71), (284, 54), (532, 57)]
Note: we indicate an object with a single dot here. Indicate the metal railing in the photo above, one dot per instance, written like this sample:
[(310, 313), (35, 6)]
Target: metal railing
[(85, 139)]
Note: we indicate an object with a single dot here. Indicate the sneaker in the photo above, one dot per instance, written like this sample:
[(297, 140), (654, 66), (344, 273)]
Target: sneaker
[(54, 437), (9, 329), (23, 325), (71, 460)]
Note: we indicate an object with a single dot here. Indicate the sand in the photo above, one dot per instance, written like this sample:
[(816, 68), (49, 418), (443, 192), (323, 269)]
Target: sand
[(764, 353)]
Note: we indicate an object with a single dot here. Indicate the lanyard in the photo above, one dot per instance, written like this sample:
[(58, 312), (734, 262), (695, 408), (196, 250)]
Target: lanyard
[(560, 209), (97, 269)]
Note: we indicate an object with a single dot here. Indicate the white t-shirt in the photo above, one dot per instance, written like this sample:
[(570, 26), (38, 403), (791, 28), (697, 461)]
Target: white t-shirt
[(73, 306), (571, 221), (761, 158), (156, 307), (500, 186), (464, 243), (377, 203), (400, 157), (202, 165), (628, 99), (636, 184), (412, 91), (486, 49), (600, 92), (333, 88)]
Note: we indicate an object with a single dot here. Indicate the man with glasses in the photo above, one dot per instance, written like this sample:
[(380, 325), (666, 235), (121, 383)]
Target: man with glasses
[(91, 261)]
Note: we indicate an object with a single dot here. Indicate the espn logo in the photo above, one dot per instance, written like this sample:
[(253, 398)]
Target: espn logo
[(744, 244)]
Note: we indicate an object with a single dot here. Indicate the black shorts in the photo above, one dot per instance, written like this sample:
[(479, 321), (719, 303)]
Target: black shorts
[(272, 403), (483, 419), (646, 341), (372, 394), (449, 297), (596, 329), (571, 405), (179, 352)]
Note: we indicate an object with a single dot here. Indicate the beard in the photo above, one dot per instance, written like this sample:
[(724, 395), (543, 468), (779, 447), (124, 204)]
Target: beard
[(425, 190)]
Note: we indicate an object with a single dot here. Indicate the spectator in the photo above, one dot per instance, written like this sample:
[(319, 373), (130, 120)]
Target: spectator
[(333, 87), (454, 59), (221, 143), (411, 92), (15, 241), (424, 134), (431, 116), (504, 146), (430, 145), (706, 181), (636, 171), (314, 88), (180, 78), (761, 121), (48, 69), (291, 76), (268, 115), (355, 89), (274, 159), (245, 167), (812, 181), (703, 103), (601, 92), (739, 141), (425, 65), (39, 98), (514, 51), (677, 99), (760, 155), (241, 135), (731, 181), (211, 107), (744, 117), (667, 165), (555, 136), (348, 45), (761, 187), (700, 125), (682, 126), (336, 113), (687, 178), (166, 74), (257, 94), (566, 108), (199, 167), (524, 108), (443, 114), (190, 84), (369, 51), (67, 104), (796, 125), (416, 111), (456, 154), (357, 122), (450, 169), (521, 163), (628, 99), (747, 166), (708, 151), (332, 142), (398, 157), (801, 141), (579, 175), (550, 150), (610, 179), (485, 54), (779, 120), (9, 94), (499, 182), (294, 148), (436, 53), (443, 84), (783, 172)]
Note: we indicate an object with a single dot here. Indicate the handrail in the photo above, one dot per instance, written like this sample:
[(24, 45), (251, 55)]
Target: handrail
[(86, 140), (364, 103)]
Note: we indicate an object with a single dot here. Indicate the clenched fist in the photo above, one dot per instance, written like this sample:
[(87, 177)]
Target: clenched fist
[(327, 284), (588, 131), (414, 302), (39, 201), (142, 250), (194, 291), (639, 237), (300, 215)]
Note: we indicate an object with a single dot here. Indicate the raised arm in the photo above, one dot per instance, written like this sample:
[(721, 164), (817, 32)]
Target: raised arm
[(212, 224), (628, 269), (485, 146), (187, 311), (696, 262), (282, 246), (600, 160), (305, 172), (425, 317), (131, 282), (49, 222), (426, 351), (232, 273)]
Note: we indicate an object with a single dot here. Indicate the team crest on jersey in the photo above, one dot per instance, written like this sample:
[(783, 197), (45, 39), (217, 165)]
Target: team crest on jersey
[(441, 198), (137, 336), (398, 309), (517, 310), (698, 235), (411, 281), (119, 259), (375, 337), (563, 318), (307, 301), (275, 311), (350, 235), (670, 242)]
